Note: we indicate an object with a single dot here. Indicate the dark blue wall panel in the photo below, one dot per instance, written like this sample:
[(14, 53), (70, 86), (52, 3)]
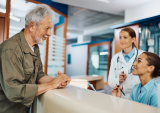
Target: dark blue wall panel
[(61, 21)]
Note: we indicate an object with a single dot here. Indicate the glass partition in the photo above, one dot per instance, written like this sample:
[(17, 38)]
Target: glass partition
[(98, 60), (3, 6)]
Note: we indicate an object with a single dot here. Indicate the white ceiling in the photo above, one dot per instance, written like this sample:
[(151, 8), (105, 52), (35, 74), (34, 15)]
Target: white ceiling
[(81, 18), (83, 21), (114, 7)]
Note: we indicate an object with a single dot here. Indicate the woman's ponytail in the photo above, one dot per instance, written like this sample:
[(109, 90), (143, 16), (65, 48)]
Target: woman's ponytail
[(158, 73), (134, 45), (154, 60)]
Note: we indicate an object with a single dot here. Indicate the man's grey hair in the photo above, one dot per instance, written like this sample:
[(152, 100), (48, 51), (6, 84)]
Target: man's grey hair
[(38, 13)]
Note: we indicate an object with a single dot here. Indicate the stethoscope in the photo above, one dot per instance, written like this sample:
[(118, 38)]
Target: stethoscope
[(120, 63)]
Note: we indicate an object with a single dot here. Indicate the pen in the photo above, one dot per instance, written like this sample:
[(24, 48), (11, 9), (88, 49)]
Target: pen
[(121, 90)]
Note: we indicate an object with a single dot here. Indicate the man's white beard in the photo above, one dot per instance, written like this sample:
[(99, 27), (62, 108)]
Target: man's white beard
[(41, 42)]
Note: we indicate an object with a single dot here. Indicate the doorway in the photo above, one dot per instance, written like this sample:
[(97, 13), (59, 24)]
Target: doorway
[(98, 62)]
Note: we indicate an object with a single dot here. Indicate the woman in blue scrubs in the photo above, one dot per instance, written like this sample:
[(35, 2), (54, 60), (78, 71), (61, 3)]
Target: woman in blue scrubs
[(147, 67)]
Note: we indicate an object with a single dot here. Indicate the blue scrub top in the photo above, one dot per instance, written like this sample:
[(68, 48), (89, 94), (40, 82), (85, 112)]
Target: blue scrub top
[(148, 94)]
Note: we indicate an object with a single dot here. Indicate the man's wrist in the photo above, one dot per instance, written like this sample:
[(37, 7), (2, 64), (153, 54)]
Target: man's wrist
[(52, 85)]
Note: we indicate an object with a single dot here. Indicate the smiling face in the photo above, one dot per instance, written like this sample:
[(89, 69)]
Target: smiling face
[(43, 30), (126, 40), (140, 66)]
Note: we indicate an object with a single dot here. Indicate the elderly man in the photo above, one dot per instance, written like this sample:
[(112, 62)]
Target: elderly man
[(21, 71)]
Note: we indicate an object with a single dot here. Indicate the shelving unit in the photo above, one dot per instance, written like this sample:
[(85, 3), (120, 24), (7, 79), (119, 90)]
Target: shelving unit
[(149, 36)]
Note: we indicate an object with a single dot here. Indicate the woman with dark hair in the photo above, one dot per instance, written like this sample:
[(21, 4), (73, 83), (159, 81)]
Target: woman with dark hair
[(121, 63), (147, 67)]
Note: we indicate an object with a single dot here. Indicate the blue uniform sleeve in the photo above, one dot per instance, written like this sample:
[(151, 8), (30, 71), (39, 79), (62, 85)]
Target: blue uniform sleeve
[(154, 100), (131, 95)]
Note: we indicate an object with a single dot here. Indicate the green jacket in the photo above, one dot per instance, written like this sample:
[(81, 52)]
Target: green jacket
[(20, 70)]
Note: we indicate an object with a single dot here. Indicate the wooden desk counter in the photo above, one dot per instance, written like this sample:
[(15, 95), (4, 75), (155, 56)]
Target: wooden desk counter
[(78, 100), (96, 81)]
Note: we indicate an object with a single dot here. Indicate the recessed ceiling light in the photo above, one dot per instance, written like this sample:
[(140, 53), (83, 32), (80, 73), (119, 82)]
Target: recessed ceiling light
[(15, 18), (106, 1), (103, 53)]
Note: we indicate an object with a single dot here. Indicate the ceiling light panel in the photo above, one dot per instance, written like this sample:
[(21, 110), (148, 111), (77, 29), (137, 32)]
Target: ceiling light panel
[(106, 1)]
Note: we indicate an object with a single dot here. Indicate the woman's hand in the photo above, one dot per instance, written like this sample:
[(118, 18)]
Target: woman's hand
[(122, 77), (116, 91)]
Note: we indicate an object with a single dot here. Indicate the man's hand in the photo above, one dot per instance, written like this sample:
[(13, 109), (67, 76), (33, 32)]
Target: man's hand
[(47, 83), (122, 77), (62, 85), (60, 81), (116, 91)]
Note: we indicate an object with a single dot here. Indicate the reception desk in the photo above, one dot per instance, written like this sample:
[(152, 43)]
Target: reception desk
[(78, 100), (96, 81)]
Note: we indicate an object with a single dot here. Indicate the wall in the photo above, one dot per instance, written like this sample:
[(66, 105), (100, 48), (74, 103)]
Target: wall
[(79, 53), (142, 11), (78, 60)]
